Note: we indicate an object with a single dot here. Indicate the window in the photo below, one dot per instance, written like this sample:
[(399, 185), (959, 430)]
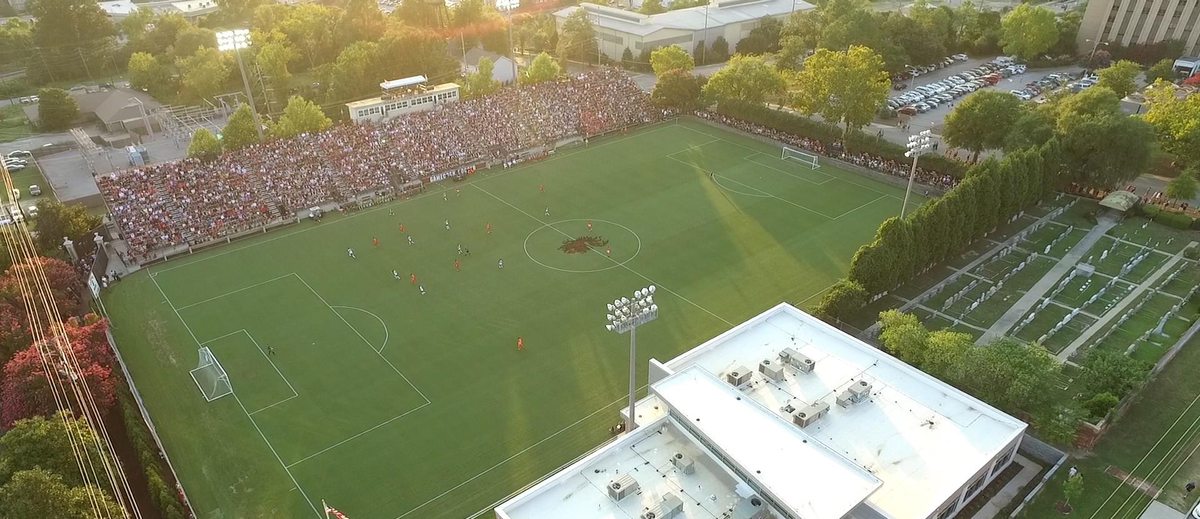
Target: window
[(976, 485), (948, 511), (1003, 461)]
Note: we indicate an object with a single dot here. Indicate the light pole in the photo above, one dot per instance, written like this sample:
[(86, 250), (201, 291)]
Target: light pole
[(236, 40), (918, 145), (625, 315)]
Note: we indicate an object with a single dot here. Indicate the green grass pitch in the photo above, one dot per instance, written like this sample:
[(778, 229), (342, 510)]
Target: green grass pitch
[(391, 404)]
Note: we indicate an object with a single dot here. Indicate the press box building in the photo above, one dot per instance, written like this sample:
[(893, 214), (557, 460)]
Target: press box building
[(784, 416)]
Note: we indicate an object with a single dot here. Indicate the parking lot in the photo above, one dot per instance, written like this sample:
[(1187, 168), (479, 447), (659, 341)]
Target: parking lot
[(934, 118)]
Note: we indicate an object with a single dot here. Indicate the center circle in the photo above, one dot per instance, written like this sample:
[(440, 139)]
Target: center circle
[(551, 227)]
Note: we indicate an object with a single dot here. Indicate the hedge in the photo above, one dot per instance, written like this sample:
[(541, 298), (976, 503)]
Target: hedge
[(1168, 218), (164, 496), (856, 140)]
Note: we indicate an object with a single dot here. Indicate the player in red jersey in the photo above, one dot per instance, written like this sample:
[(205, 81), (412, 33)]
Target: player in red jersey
[(414, 278), (456, 266), (375, 242), (489, 228), (401, 226), (520, 344), (589, 226)]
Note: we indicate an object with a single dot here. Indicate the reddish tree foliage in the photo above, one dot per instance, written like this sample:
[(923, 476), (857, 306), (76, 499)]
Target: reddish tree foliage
[(26, 391), (66, 285), (14, 332), (1193, 81)]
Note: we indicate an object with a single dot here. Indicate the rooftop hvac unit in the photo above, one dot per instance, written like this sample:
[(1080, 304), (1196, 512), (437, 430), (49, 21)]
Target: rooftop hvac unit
[(810, 414), (798, 360), (738, 376), (670, 506), (761, 510), (621, 487), (771, 370), (684, 463), (857, 392)]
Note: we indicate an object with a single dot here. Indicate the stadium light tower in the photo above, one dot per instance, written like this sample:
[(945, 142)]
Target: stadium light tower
[(236, 40), (625, 315), (918, 145)]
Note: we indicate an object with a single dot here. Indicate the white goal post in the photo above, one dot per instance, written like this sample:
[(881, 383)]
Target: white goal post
[(210, 377), (804, 158)]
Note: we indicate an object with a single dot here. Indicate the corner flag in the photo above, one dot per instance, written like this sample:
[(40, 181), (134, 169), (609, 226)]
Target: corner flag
[(329, 510)]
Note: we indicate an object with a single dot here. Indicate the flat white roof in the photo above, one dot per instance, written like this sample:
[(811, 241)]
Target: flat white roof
[(408, 81), (715, 15), (362, 103), (786, 465), (922, 437)]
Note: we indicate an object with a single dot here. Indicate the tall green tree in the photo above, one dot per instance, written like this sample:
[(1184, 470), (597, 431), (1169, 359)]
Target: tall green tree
[(1121, 77), (1105, 151), (189, 40), (1184, 187), (762, 39), (671, 57), (68, 34), (1072, 488), (204, 145), (1011, 375), (1163, 69), (360, 20), (356, 72), (239, 132), (1032, 127), (1028, 31), (1112, 372), (44, 442), (35, 493), (405, 51), (1059, 424), (904, 336), (420, 13), (679, 89), (944, 354), (843, 87), (56, 221), (543, 68), (312, 29), (480, 82), (577, 38), (301, 116), (147, 74), (1176, 121), (205, 73), (745, 78), (843, 298), (273, 59), (982, 121), (56, 108)]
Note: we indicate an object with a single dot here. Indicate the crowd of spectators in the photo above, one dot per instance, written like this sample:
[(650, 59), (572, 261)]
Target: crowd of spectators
[(835, 150), (192, 201)]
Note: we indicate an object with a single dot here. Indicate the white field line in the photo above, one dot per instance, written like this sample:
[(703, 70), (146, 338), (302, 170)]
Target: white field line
[(768, 194)]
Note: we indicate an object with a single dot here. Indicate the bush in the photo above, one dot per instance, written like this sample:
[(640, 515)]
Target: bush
[(856, 140), (1192, 253), (165, 498), (1099, 406)]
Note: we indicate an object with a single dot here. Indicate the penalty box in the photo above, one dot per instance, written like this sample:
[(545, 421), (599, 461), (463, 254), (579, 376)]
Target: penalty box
[(310, 377)]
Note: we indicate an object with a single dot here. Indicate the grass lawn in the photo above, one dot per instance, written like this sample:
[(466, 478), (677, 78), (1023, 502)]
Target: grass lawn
[(1037, 241), (1119, 255), (13, 124), (1077, 215), (410, 405), (1155, 441), (1154, 235)]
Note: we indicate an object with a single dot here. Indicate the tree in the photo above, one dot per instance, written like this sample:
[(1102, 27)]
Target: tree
[(480, 82), (14, 333), (361, 20), (843, 298), (205, 73), (1162, 70), (762, 39), (904, 336), (1100, 404), (1058, 424), (1072, 488), (204, 145), (311, 28), (982, 121), (652, 7), (419, 13), (189, 40), (1120, 78), (356, 71), (543, 68), (719, 51), (1032, 127), (1112, 372), (680, 90), (35, 493), (239, 132), (56, 221), (25, 390), (1184, 187), (405, 52), (1100, 59), (1028, 31), (577, 38), (301, 116), (67, 33), (1105, 151), (944, 354), (1176, 121), (56, 108), (273, 59), (844, 87), (671, 57), (147, 74), (45, 442), (238, 10), (745, 78), (1010, 375)]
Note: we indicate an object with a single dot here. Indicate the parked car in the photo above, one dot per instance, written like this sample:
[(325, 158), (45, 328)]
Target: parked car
[(899, 86), (32, 210), (20, 154), (14, 167), (960, 57), (35, 190), (907, 110)]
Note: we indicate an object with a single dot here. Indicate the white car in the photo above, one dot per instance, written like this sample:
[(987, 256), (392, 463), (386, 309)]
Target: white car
[(17, 217), (20, 154), (35, 190), (32, 210)]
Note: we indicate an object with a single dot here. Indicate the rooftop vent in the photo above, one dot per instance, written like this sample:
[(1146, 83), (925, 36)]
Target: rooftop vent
[(684, 463), (797, 360), (622, 487), (810, 414), (670, 506), (857, 392), (771, 370), (738, 376)]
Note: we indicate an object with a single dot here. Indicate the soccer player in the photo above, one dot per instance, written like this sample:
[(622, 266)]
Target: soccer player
[(351, 253), (444, 199), (501, 264), (410, 240), (520, 344), (414, 278), (375, 242), (608, 250), (460, 249), (467, 252), (421, 288), (401, 226), (447, 224), (542, 188), (456, 266), (547, 210), (589, 226), (395, 274), (489, 228), (457, 191)]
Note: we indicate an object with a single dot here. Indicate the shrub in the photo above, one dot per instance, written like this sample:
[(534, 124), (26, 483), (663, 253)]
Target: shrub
[(1099, 406), (1192, 253)]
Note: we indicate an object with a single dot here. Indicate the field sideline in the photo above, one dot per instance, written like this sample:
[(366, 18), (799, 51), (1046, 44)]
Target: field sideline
[(351, 386)]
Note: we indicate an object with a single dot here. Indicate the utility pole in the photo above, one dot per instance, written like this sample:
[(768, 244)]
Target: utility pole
[(85, 65)]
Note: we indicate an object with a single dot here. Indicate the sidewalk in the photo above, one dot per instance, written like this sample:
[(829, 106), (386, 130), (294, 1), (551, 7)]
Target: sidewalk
[(1035, 294)]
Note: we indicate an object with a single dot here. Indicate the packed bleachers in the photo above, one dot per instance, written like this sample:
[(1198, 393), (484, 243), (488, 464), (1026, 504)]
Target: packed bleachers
[(192, 202)]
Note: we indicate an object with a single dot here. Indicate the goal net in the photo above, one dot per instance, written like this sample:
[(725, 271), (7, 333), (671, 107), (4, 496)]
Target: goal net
[(807, 159), (210, 377)]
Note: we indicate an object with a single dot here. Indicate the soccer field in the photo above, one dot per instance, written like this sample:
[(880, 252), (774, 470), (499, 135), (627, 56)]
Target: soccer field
[(352, 387)]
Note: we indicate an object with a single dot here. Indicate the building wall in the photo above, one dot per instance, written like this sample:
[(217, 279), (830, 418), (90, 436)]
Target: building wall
[(978, 481), (1127, 22)]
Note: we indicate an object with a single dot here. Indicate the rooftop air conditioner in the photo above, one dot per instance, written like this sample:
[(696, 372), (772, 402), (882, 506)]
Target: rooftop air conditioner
[(761, 510), (857, 392), (798, 360), (810, 414), (684, 463), (771, 370), (738, 376), (670, 506), (622, 487)]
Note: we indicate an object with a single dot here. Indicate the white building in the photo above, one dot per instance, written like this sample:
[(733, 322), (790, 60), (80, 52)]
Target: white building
[(193, 10), (786, 416), (619, 29), (504, 71), (401, 96)]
